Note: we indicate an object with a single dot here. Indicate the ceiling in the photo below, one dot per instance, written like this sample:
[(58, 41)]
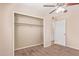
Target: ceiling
[(39, 7), (36, 7)]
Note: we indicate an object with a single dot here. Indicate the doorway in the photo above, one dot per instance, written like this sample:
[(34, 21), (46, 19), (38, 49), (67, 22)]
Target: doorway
[(60, 32)]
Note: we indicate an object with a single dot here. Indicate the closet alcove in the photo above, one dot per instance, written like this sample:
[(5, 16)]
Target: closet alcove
[(28, 31)]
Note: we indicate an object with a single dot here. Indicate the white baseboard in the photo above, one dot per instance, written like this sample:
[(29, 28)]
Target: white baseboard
[(73, 47), (70, 47), (28, 46)]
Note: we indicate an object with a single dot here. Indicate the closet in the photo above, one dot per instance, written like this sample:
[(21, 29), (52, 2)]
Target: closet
[(28, 31)]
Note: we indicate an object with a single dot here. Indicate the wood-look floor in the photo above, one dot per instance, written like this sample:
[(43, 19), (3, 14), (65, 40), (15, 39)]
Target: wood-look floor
[(54, 50)]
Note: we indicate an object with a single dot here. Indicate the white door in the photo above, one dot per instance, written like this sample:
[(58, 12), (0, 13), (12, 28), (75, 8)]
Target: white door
[(59, 35)]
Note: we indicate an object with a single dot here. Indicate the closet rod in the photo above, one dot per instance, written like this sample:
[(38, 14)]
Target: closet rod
[(27, 24)]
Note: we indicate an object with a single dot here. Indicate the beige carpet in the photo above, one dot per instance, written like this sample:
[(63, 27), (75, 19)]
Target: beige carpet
[(54, 50)]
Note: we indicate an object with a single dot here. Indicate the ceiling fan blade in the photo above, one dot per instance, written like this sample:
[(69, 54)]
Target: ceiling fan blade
[(52, 11), (60, 4), (49, 5), (71, 4)]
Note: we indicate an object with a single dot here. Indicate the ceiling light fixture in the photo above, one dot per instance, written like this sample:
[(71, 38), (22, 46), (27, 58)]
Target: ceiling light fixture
[(61, 10)]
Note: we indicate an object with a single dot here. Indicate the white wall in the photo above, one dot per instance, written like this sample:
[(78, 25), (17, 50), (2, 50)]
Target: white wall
[(1, 30), (24, 9), (48, 30), (73, 27), (7, 31)]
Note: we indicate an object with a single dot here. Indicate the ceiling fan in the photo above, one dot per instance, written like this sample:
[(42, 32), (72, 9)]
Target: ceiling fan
[(59, 7)]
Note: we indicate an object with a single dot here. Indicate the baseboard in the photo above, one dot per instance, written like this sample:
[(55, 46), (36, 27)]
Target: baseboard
[(72, 47), (69, 47), (28, 46)]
